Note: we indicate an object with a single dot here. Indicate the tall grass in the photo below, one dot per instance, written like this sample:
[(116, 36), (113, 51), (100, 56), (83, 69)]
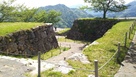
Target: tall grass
[(6, 28)]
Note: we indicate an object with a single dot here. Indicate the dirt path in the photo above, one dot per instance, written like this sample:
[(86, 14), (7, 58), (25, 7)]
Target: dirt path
[(75, 48), (129, 68)]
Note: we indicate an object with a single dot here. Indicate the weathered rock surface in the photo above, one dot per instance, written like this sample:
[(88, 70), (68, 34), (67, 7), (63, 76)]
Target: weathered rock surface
[(29, 42)]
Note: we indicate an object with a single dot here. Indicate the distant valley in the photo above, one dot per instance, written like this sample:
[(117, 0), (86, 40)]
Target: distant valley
[(70, 14)]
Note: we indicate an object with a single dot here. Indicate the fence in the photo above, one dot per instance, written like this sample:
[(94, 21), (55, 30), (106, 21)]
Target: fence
[(96, 70), (117, 53)]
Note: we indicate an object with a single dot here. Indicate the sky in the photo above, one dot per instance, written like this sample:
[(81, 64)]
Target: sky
[(40, 3)]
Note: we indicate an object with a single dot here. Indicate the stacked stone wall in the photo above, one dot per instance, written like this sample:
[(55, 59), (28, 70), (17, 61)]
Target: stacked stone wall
[(29, 42), (89, 29)]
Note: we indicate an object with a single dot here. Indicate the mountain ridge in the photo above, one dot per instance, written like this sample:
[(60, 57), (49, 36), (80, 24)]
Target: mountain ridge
[(130, 12), (68, 14)]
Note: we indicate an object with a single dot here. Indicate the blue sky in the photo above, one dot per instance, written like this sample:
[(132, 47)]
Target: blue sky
[(39, 3)]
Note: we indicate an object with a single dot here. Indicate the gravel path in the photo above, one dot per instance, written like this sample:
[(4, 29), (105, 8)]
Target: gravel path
[(129, 68)]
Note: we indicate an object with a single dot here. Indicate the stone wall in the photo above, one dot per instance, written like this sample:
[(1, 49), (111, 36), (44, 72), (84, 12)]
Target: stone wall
[(29, 42), (90, 29)]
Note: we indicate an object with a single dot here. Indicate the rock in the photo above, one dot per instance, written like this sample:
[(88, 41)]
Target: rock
[(91, 76), (79, 57)]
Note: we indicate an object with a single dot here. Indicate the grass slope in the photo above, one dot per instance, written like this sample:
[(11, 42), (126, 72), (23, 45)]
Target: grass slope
[(108, 46), (6, 28)]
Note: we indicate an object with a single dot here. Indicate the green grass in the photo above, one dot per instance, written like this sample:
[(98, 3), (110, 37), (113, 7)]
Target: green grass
[(63, 39), (51, 53), (104, 50), (63, 31), (107, 47), (6, 28)]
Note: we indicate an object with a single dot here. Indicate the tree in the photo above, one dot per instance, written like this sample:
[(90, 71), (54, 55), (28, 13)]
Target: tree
[(18, 13), (28, 14), (21, 13), (52, 17), (107, 5), (40, 16), (6, 10)]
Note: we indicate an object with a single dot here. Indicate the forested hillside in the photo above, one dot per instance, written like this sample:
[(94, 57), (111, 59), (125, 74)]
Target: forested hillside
[(68, 15)]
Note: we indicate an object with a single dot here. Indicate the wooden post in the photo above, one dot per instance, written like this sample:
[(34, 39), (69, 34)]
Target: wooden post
[(125, 40), (96, 67), (118, 53), (39, 64), (129, 32)]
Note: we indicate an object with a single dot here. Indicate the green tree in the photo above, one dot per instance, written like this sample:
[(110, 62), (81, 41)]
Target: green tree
[(24, 14), (107, 5), (6, 10), (40, 16), (53, 17), (21, 13), (28, 14)]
